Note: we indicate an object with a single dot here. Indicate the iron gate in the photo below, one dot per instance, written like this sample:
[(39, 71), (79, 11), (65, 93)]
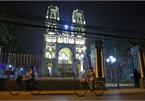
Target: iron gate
[(119, 72)]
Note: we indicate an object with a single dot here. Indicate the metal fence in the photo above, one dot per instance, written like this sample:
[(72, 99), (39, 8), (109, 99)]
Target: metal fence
[(119, 70)]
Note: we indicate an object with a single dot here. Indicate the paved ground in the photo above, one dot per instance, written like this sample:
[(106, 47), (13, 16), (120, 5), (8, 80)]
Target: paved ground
[(55, 83), (110, 94)]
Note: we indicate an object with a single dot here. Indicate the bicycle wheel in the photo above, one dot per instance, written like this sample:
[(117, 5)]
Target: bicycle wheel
[(35, 88), (15, 89), (99, 88), (81, 89)]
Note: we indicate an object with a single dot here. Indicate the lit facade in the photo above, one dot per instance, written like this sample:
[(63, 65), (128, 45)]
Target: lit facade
[(57, 42)]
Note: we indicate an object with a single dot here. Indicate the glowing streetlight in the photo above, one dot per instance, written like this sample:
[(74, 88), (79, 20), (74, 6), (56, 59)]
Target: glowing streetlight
[(111, 57), (112, 60), (10, 66), (63, 58), (107, 60)]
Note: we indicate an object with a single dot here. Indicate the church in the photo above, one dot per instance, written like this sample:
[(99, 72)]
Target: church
[(63, 50)]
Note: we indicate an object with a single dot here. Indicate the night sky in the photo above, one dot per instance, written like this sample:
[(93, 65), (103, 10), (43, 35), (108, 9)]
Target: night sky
[(111, 14)]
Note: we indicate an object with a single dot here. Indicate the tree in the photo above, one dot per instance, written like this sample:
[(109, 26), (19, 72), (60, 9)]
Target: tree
[(129, 43), (124, 46), (4, 33), (9, 39)]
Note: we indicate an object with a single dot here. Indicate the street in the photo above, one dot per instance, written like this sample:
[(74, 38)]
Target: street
[(110, 94)]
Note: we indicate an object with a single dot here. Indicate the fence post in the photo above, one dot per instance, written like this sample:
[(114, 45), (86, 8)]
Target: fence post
[(138, 54)]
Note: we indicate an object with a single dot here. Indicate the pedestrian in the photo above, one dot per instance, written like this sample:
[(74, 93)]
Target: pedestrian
[(48, 72), (137, 77), (91, 79), (31, 78)]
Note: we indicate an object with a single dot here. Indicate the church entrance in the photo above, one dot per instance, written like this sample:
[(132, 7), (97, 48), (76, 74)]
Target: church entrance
[(49, 69), (64, 62)]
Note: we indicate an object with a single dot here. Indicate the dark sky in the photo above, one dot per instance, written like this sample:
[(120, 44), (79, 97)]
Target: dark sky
[(110, 14)]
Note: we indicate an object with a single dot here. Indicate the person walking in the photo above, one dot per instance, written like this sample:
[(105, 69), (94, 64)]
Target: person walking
[(137, 77)]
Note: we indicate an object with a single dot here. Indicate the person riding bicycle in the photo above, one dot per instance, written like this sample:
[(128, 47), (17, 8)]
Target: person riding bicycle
[(91, 79), (31, 76)]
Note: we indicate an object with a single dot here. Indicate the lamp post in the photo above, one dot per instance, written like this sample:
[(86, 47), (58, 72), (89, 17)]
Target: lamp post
[(50, 57), (115, 51), (63, 58), (21, 70), (111, 60)]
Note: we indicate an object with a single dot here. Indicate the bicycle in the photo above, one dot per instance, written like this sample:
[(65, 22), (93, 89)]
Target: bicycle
[(15, 88), (82, 88)]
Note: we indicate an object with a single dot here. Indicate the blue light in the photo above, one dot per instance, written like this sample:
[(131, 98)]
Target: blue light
[(10, 65), (66, 26)]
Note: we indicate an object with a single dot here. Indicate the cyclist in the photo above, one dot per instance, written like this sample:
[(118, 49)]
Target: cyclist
[(91, 79), (31, 76)]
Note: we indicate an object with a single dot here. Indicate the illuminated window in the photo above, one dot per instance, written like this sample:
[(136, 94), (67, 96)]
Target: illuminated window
[(71, 40), (54, 39), (50, 56), (49, 39), (65, 39), (47, 55), (60, 40)]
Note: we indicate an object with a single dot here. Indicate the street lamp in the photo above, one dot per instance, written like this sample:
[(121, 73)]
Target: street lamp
[(112, 60), (51, 56), (21, 70), (63, 58)]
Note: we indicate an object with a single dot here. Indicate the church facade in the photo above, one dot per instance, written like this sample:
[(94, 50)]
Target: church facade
[(63, 50)]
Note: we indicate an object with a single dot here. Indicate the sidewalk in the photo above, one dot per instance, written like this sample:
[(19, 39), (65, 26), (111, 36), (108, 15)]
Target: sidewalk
[(110, 91), (55, 83), (109, 94)]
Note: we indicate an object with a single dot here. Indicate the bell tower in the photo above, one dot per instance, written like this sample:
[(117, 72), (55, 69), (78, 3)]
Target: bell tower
[(60, 42)]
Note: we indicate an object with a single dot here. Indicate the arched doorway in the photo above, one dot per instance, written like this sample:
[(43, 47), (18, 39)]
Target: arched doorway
[(49, 69), (65, 61)]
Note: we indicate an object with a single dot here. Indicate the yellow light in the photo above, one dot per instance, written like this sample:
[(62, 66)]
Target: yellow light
[(51, 33), (48, 39)]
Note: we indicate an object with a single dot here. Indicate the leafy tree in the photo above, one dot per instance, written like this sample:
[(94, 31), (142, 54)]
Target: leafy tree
[(123, 46), (129, 43), (4, 33), (9, 39)]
